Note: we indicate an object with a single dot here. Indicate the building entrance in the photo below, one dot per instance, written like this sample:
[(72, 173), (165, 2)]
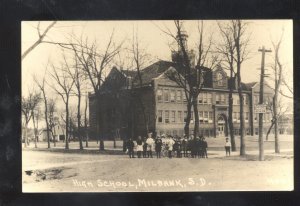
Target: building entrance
[(221, 127)]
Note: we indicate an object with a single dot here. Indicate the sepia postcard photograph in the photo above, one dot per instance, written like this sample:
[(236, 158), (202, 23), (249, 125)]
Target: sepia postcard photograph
[(157, 106)]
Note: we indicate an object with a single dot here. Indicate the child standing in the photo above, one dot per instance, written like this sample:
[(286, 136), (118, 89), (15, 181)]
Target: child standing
[(227, 147)]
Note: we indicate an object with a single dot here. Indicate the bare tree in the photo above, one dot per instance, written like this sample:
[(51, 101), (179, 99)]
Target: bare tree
[(86, 131), (42, 86), (206, 62), (51, 109), (139, 59), (41, 35), (289, 89), (227, 50), (182, 75), (35, 119), (281, 110), (187, 76), (241, 43), (77, 76), (28, 105), (94, 64), (277, 80), (63, 87)]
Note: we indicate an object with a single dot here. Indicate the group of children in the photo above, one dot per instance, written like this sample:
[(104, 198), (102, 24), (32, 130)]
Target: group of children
[(167, 146)]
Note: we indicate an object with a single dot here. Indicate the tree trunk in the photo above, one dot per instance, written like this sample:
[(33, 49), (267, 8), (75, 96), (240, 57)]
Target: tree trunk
[(46, 118), (85, 125), (230, 122), (86, 138), (144, 114), (101, 145), (79, 121), (242, 124), (34, 131), (196, 116), (67, 125), (115, 145), (188, 120), (277, 148), (54, 137), (25, 137), (269, 130)]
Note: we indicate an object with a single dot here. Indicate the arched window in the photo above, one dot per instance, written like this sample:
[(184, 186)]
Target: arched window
[(219, 79)]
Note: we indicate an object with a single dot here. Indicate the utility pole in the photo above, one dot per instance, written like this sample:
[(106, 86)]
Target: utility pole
[(261, 101)]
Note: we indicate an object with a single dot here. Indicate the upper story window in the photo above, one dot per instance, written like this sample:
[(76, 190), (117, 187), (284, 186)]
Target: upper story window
[(172, 116), (220, 99), (256, 99), (167, 118), (159, 95), (219, 79), (166, 95), (159, 115), (205, 98), (178, 96), (179, 116), (246, 100), (184, 97), (209, 98), (247, 116), (172, 96)]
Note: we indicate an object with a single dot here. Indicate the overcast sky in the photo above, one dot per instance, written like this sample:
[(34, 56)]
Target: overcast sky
[(154, 40)]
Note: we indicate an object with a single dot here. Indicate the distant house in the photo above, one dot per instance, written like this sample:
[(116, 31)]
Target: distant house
[(58, 134), (286, 124)]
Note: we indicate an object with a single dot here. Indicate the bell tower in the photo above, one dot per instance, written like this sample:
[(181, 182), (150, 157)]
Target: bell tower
[(177, 56)]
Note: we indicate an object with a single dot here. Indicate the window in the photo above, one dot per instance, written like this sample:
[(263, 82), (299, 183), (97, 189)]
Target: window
[(209, 98), (247, 116), (210, 117), (235, 99), (218, 99), (159, 115), (200, 116), (234, 116), (255, 117), (179, 116), (238, 116), (172, 116), (200, 98), (206, 117), (167, 120), (256, 131), (192, 115), (205, 98), (219, 79), (184, 97), (172, 96), (246, 100), (222, 98), (256, 99), (159, 95), (185, 116), (178, 96), (166, 95)]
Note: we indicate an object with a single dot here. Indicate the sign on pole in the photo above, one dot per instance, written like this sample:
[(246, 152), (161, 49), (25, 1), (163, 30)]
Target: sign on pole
[(260, 108)]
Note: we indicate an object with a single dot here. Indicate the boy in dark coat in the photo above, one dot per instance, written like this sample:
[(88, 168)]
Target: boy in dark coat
[(144, 148), (184, 146), (158, 146), (130, 146), (204, 148)]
